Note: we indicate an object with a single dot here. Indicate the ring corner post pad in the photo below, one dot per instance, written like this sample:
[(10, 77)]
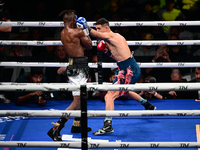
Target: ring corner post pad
[(84, 134)]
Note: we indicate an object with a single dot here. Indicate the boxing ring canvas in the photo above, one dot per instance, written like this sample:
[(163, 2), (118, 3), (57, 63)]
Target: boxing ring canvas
[(126, 129)]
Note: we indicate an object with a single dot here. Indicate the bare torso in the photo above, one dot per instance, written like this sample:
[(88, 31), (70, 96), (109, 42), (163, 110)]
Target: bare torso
[(71, 42), (118, 46), (116, 43)]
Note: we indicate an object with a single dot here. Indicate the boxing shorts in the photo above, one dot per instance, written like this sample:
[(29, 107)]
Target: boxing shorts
[(78, 71), (128, 73)]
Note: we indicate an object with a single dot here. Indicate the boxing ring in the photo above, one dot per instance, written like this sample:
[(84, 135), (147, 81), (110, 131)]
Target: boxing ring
[(175, 123)]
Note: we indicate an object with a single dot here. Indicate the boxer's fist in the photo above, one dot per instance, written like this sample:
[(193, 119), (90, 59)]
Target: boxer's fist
[(82, 24), (103, 47)]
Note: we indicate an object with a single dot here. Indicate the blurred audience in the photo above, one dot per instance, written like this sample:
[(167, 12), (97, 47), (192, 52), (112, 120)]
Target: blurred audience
[(36, 75), (146, 50), (170, 13), (161, 74), (149, 95), (176, 77), (196, 93)]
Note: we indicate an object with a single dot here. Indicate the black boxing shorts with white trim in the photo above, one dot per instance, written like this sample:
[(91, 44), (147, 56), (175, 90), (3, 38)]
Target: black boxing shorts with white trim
[(78, 72)]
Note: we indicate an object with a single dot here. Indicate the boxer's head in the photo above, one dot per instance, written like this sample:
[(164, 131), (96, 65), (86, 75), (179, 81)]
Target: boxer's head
[(68, 15), (102, 25)]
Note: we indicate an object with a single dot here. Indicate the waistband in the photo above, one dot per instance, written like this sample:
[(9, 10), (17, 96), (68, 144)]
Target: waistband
[(78, 61), (127, 63)]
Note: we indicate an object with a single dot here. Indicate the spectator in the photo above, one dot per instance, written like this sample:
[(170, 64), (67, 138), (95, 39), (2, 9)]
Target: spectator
[(146, 50), (36, 35), (34, 76), (177, 53), (149, 95), (24, 33), (185, 34), (158, 33), (169, 14), (147, 13), (113, 9), (48, 52), (88, 10), (161, 74), (176, 76), (51, 72), (195, 94), (19, 51)]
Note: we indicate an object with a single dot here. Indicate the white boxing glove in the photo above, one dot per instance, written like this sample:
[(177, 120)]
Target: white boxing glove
[(82, 24)]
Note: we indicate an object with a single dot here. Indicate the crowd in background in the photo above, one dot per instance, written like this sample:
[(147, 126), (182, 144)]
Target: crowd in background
[(113, 10)]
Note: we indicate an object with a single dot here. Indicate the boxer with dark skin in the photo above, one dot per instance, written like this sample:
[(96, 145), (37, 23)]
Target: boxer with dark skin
[(75, 41)]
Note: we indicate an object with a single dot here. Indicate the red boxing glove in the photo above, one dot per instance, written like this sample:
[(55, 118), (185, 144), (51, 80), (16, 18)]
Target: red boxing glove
[(103, 47)]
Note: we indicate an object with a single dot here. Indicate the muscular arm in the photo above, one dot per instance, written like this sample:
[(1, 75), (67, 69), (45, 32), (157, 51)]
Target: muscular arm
[(85, 40), (24, 98), (5, 29), (99, 35)]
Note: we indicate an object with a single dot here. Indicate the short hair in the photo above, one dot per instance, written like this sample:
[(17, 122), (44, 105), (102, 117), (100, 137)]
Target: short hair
[(169, 1), (112, 72), (176, 72), (36, 70), (70, 12), (102, 21), (174, 35), (197, 68)]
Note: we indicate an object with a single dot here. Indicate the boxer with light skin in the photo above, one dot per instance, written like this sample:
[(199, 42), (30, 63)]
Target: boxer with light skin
[(115, 46)]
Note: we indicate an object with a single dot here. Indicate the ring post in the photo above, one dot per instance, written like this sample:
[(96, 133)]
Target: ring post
[(99, 66), (84, 142)]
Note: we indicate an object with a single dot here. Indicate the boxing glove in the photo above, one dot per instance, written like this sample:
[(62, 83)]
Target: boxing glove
[(103, 47), (82, 24)]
